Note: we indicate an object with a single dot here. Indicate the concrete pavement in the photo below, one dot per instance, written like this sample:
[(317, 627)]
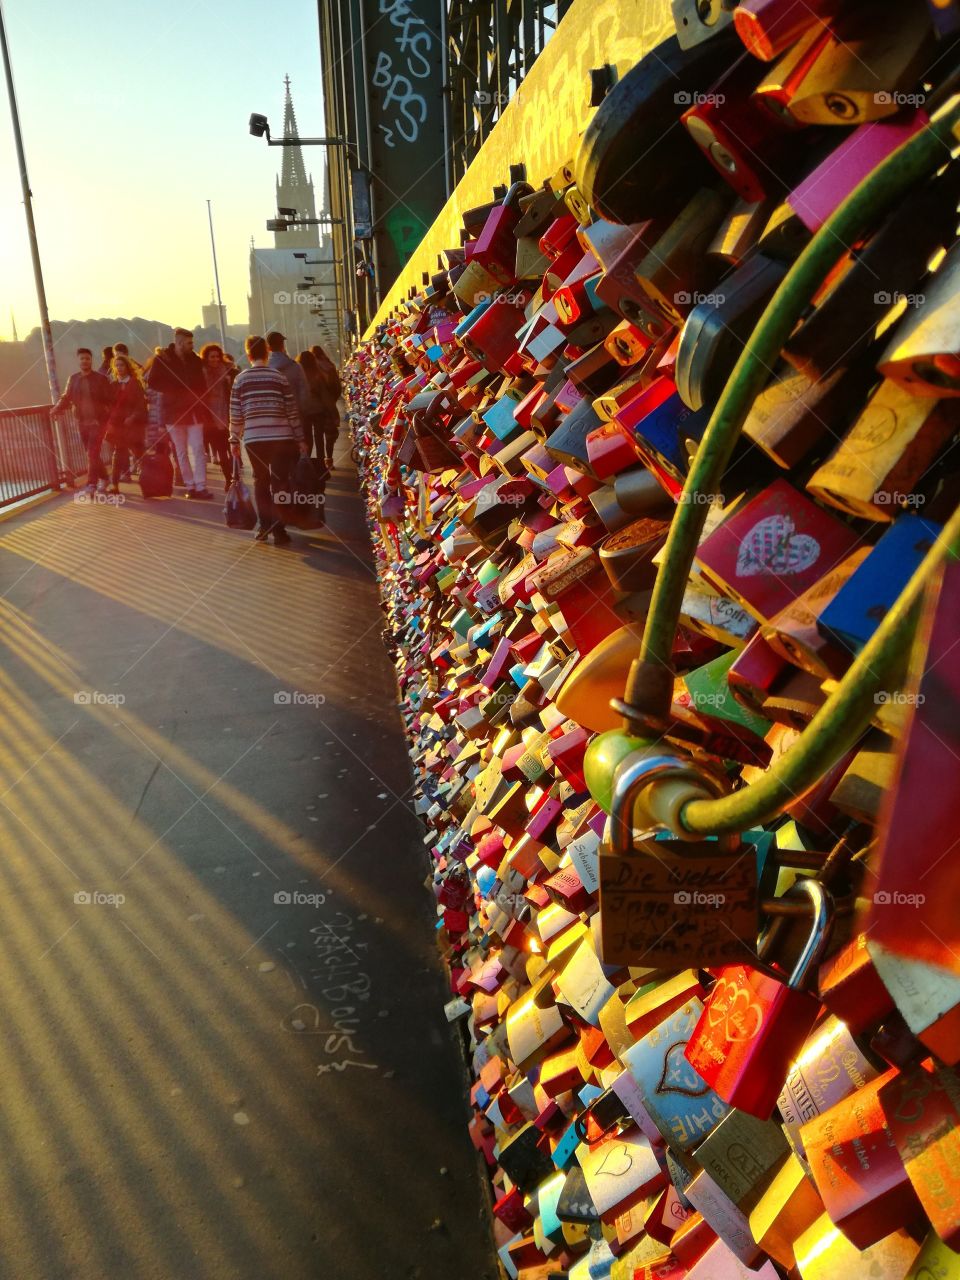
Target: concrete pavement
[(224, 1051)]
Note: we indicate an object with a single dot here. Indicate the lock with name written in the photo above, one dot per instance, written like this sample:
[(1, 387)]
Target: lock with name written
[(753, 1025)]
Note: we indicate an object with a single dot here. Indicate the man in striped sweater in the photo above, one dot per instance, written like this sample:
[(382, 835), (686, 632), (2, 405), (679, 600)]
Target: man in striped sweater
[(264, 416)]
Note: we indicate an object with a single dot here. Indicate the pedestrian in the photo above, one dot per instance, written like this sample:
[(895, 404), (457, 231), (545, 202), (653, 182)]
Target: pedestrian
[(276, 344), (177, 373), (127, 421), (121, 349), (106, 361), (91, 396), (316, 399), (328, 422), (216, 431), (264, 417)]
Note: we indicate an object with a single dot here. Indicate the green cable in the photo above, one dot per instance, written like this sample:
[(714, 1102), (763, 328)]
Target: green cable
[(842, 718), (912, 162)]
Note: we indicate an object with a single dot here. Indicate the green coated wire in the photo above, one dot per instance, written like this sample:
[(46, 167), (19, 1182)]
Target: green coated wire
[(848, 711), (842, 718)]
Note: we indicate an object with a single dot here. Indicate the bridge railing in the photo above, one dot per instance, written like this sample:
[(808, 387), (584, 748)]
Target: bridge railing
[(32, 452)]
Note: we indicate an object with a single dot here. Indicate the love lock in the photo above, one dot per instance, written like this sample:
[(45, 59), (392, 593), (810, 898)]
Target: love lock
[(754, 1025)]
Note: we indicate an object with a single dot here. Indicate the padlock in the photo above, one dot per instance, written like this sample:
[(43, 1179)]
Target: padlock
[(719, 324), (698, 20), (767, 27), (674, 270), (753, 1025), (922, 1109), (887, 271), (631, 123), (739, 1155), (772, 548), (754, 151), (856, 1167), (923, 355), (875, 470), (860, 68), (787, 1207)]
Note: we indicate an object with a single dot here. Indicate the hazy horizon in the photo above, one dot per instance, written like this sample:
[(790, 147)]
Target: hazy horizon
[(131, 122)]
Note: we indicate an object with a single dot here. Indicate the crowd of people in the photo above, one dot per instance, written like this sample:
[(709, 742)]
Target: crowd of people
[(206, 409)]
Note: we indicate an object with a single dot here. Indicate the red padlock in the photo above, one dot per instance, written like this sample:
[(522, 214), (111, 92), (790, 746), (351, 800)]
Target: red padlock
[(753, 1025)]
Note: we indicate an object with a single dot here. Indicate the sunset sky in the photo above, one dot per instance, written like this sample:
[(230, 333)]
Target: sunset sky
[(133, 115)]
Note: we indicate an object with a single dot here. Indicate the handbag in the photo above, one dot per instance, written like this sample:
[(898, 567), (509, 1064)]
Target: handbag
[(238, 509), (156, 473)]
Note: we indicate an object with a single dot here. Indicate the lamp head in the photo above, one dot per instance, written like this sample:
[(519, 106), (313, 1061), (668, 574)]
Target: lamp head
[(259, 126)]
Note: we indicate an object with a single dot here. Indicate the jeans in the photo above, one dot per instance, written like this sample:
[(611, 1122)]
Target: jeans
[(325, 432), (272, 462), (91, 437), (188, 439)]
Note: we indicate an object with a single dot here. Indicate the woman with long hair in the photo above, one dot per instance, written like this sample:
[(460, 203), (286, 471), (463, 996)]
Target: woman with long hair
[(316, 400), (217, 400), (127, 422), (327, 422)]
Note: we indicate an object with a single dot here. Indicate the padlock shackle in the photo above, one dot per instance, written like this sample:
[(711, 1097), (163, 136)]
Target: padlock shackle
[(637, 772), (821, 908)]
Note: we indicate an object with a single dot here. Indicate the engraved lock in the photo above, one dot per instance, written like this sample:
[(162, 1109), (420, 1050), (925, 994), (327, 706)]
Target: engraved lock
[(754, 1025)]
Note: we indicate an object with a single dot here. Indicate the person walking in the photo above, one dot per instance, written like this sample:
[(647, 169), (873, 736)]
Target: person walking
[(177, 373), (91, 396), (106, 361), (264, 416), (219, 382), (316, 399), (127, 420), (328, 419), (279, 360)]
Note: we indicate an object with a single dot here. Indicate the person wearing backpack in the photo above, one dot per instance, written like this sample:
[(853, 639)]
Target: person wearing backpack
[(264, 417)]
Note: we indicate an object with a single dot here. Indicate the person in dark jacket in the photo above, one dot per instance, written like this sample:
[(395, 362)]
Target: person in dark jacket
[(127, 422), (106, 361), (327, 422), (217, 374), (91, 396), (177, 373)]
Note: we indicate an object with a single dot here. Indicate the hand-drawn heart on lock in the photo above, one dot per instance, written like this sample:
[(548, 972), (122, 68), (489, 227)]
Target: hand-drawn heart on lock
[(617, 1161), (678, 1075), (735, 1007), (774, 546)]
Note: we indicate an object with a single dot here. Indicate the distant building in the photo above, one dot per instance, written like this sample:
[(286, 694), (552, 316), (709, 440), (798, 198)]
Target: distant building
[(282, 294), (210, 318)]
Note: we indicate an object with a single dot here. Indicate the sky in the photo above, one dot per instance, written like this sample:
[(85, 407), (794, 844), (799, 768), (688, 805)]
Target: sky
[(133, 116)]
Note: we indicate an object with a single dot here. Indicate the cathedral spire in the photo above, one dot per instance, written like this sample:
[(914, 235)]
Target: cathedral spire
[(294, 172)]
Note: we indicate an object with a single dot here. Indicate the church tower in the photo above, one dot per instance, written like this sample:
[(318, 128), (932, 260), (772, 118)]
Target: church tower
[(294, 187)]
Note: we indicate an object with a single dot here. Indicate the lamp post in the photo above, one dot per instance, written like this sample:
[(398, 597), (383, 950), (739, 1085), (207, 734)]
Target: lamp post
[(48, 351), (216, 277)]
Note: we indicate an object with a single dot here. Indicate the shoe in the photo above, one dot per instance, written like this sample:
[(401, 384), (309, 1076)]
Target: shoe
[(202, 495), (281, 538), (190, 493), (328, 463), (101, 486), (261, 535)]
